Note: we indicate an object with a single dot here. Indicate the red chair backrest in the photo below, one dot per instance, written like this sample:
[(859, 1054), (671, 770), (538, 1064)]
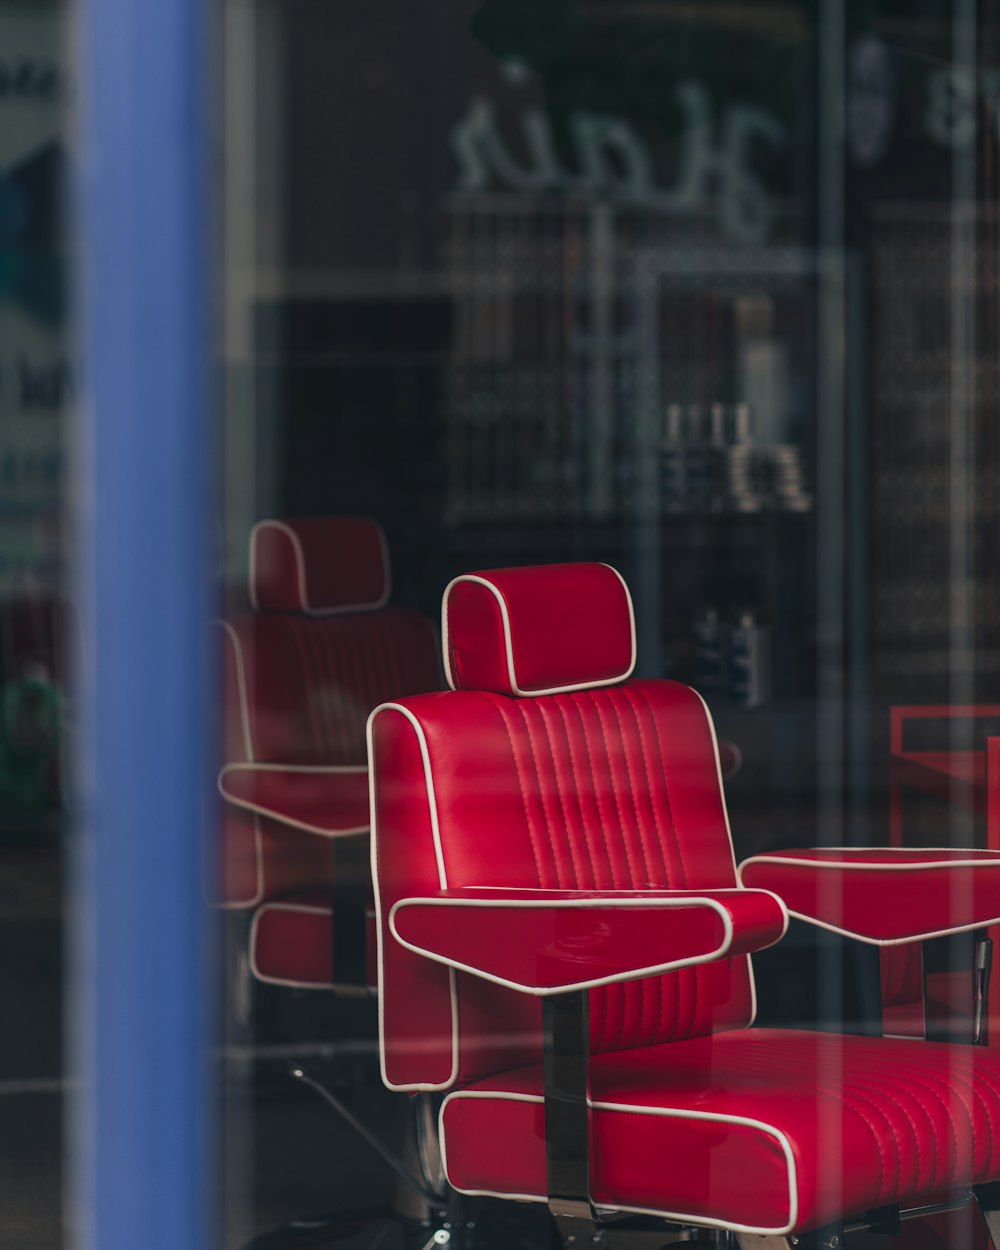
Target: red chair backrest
[(544, 767)]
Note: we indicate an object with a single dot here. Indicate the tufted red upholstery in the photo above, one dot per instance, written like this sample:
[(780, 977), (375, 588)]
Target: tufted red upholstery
[(311, 682), (896, 1120), (297, 689), (616, 789), (567, 792)]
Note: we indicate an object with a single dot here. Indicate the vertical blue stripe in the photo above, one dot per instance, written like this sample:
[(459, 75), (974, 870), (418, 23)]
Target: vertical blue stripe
[(142, 1140)]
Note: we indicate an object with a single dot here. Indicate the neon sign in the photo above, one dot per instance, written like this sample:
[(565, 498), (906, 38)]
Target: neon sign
[(609, 158)]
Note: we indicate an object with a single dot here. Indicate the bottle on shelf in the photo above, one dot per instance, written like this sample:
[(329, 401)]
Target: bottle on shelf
[(699, 460), (709, 653), (673, 468), (742, 466), (789, 479), (764, 369), (749, 661), (711, 460)]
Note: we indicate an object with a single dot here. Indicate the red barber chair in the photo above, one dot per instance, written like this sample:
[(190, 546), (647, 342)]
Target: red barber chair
[(301, 673), (563, 953)]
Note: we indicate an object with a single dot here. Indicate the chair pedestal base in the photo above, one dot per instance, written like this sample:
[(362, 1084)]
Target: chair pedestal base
[(338, 1232), (751, 1241), (988, 1201)]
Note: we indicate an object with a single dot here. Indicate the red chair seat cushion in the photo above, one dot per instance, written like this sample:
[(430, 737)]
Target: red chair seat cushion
[(292, 941), (761, 1130)]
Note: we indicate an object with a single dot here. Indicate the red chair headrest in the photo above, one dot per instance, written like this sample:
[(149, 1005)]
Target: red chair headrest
[(320, 566), (546, 629)]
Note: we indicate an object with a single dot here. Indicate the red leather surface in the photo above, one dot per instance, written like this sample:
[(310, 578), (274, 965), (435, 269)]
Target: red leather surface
[(313, 680), (318, 564), (869, 1122), (883, 895), (550, 939), (902, 976), (292, 860), (598, 790), (569, 624), (322, 802), (954, 776), (297, 690), (291, 942)]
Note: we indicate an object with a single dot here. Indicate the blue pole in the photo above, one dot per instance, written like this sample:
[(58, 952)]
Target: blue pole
[(142, 1144)]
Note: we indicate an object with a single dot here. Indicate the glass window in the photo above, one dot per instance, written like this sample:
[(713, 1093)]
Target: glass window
[(706, 292), (702, 291)]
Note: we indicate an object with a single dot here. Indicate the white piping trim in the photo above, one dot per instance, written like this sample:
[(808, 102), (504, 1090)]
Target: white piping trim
[(442, 881), (273, 766), (879, 866), (303, 908), (903, 941), (271, 813), (718, 773), (753, 985), (241, 684), (509, 645), (732, 849), (245, 724), (667, 1113), (300, 567), (875, 867), (659, 903), (483, 1193)]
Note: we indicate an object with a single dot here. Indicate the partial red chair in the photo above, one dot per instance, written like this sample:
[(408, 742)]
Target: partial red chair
[(301, 673), (563, 952), (970, 777), (913, 999)]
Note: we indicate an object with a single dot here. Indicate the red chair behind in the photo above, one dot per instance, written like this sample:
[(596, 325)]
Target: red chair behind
[(300, 674)]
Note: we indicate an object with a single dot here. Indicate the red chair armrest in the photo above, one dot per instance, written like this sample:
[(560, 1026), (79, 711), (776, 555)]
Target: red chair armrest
[(329, 801), (554, 941), (883, 896)]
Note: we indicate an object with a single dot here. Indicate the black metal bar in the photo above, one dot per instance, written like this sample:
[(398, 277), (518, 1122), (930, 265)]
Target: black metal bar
[(350, 903), (386, 1155), (884, 1220), (981, 992), (914, 1213), (566, 1050)]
